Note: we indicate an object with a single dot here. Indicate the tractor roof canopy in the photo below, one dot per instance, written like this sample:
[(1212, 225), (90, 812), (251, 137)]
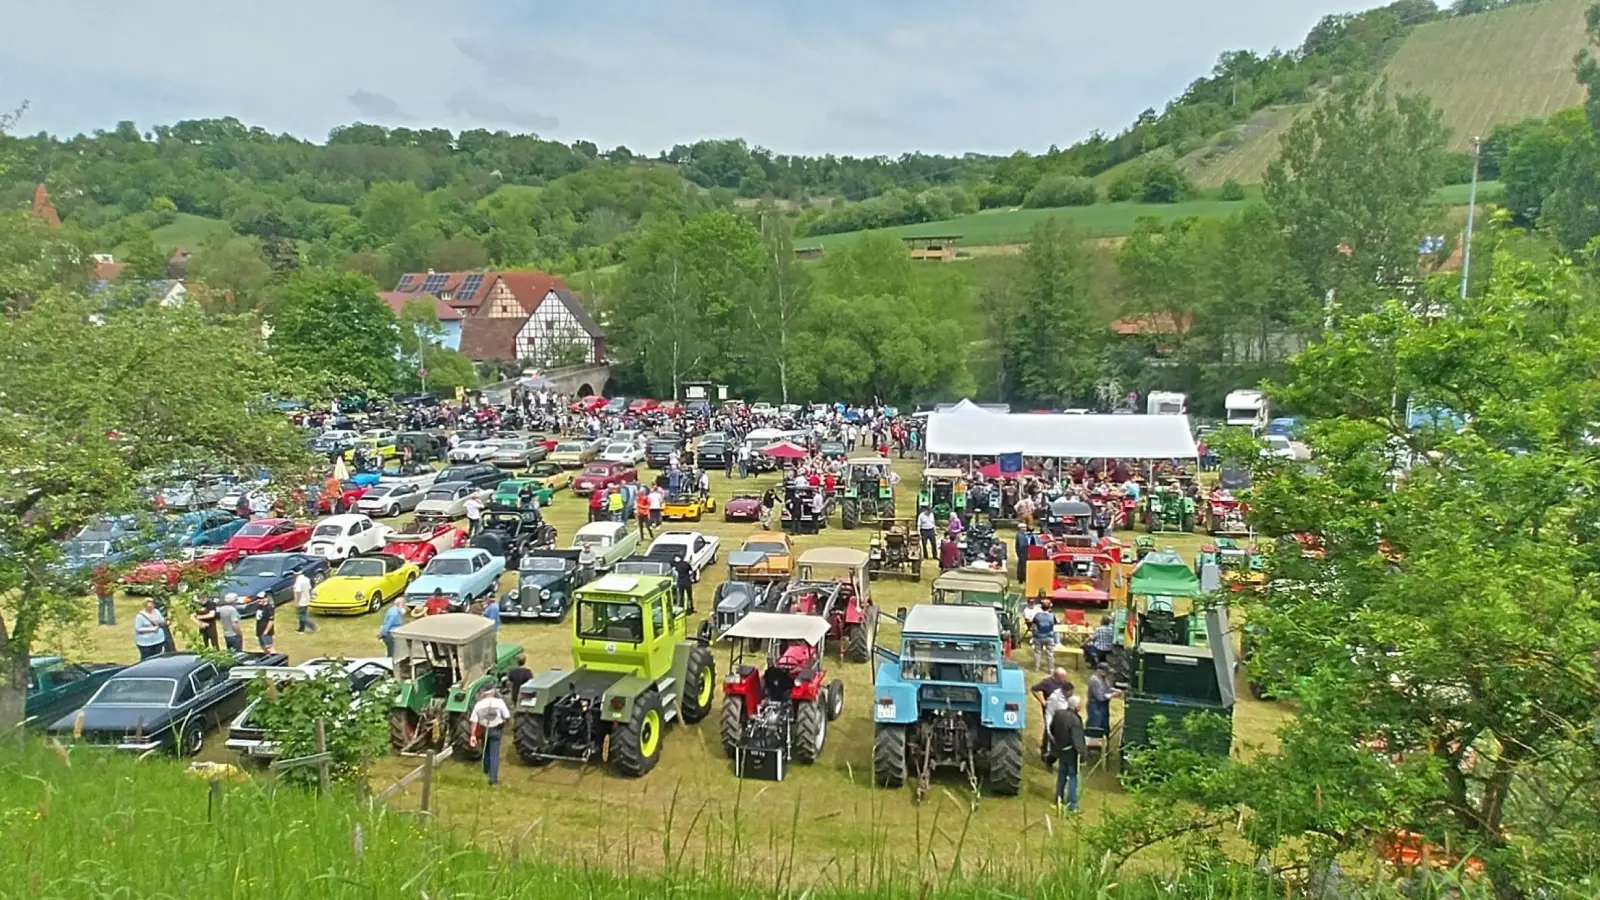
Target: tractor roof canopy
[(834, 556), (956, 621), (1163, 574), (445, 628), (943, 473), (634, 586), (970, 579), (764, 626)]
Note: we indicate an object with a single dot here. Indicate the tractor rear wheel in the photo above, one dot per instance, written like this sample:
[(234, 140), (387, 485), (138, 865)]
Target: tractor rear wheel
[(732, 723), (834, 695), (699, 685), (528, 736), (461, 734), (810, 731), (402, 728), (847, 514), (857, 647), (1005, 762), (636, 745), (889, 755)]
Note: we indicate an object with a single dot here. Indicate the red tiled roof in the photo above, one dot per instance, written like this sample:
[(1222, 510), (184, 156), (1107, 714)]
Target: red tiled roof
[(397, 301), (527, 285), (530, 287), (108, 271), (44, 209), (1158, 323), (483, 338)]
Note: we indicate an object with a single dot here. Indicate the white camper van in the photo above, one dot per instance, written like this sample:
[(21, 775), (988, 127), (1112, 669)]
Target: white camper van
[(1247, 409), (1166, 403)]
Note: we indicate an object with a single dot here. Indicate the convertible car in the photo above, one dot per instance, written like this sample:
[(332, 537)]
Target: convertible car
[(362, 584), (742, 507), (688, 506), (420, 542)]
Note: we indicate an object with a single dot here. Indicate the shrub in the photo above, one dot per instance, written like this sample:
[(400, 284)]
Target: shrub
[(1232, 190), (1061, 190), (992, 195)]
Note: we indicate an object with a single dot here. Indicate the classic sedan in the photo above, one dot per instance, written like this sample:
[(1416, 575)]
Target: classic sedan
[(57, 687), (461, 575), (742, 507), (545, 582), (600, 476), (573, 454), (549, 475), (623, 452), (391, 499), (366, 677), (608, 541), (271, 574), (448, 500), (508, 493), (519, 454), (419, 543), (352, 534), (699, 549), (474, 451), (268, 536), (204, 528), (362, 584), (167, 702)]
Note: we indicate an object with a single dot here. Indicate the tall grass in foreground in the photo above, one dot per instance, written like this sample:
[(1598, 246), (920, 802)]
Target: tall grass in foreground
[(110, 827)]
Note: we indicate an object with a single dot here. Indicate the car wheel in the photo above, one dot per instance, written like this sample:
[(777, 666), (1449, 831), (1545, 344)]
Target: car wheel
[(192, 738), (392, 511), (376, 603)]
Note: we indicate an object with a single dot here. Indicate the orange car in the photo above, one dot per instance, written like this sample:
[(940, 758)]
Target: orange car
[(778, 564)]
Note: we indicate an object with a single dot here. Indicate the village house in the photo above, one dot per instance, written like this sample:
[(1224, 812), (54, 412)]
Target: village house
[(522, 316)]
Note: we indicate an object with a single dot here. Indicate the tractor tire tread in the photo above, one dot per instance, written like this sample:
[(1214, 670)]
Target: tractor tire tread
[(528, 736), (689, 707), (889, 755), (627, 757), (810, 731), (732, 724), (1005, 762), (858, 644)]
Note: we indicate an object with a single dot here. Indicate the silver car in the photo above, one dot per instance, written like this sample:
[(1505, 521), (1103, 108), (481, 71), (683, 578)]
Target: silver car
[(199, 492), (390, 499), (519, 454)]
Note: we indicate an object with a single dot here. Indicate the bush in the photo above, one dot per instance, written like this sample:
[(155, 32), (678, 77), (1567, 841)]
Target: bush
[(1232, 190), (1164, 181), (992, 195), (1061, 190), (1126, 186)]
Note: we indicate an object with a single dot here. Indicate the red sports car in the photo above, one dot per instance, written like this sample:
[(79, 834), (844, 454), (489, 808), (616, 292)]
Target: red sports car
[(597, 476), (269, 536), (349, 493), (669, 407), (419, 546), (642, 405), (591, 403), (166, 572), (742, 508)]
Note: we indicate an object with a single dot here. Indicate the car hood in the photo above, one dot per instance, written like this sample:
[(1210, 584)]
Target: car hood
[(244, 586), (743, 503), (114, 719), (539, 579), (423, 586)]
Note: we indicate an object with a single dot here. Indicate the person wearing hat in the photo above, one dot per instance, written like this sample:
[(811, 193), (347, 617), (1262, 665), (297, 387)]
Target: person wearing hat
[(488, 718), (1100, 694)]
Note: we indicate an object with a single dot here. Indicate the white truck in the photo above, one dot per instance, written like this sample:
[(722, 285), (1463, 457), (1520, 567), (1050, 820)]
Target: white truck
[(1166, 403), (1246, 409)]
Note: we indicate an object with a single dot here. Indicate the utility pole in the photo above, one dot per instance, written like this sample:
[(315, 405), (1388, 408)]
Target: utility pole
[(1472, 207)]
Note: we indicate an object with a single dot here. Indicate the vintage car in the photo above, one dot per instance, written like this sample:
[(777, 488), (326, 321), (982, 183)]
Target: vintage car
[(549, 475), (545, 582), (349, 493), (699, 549), (519, 454), (508, 493), (689, 505), (351, 534), (777, 559), (152, 575), (367, 678), (599, 476), (268, 536), (509, 533), (202, 528), (608, 541), (461, 575), (643, 405), (57, 687), (573, 454), (591, 403), (420, 541), (361, 584), (415, 473), (659, 451), (626, 452), (391, 499), (670, 408), (474, 451), (743, 506), (380, 447), (271, 574), (448, 500), (713, 450), (167, 702)]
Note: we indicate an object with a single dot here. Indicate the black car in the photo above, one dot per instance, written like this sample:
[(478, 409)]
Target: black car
[(545, 582), (481, 475), (713, 452), (509, 534), (272, 574), (659, 451), (167, 702)]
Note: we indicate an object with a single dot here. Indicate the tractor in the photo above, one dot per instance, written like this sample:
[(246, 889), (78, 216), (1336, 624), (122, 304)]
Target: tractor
[(773, 717), (1168, 509), (989, 588), (1225, 515), (948, 699), (866, 492), (843, 601), (634, 669), (944, 491), (979, 543), (738, 596), (1070, 520), (441, 665), (895, 549)]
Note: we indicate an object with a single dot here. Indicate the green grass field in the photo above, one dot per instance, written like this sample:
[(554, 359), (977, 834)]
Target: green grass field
[(833, 799), (187, 232)]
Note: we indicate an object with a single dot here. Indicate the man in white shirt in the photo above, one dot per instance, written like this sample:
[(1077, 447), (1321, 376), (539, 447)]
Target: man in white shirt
[(302, 604), (260, 506), (488, 718), (474, 516)]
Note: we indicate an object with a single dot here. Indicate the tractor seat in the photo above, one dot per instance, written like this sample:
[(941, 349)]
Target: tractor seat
[(894, 537), (777, 684)]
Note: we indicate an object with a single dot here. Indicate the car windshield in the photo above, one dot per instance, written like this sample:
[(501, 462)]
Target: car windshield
[(328, 531), (543, 564), (938, 660), (772, 548), (256, 529), (256, 567), (601, 621), (513, 446), (569, 447), (591, 540), (618, 448), (137, 691), (596, 470), (443, 495), (450, 566), (663, 446), (361, 568)]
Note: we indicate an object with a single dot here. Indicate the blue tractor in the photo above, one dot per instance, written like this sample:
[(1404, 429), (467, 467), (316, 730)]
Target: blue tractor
[(949, 699)]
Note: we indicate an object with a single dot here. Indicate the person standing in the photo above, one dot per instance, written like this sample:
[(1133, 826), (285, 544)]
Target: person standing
[(488, 718), (519, 676), (705, 484), (302, 604), (658, 501), (949, 553), (1044, 637), (266, 622), (1067, 740), (491, 611), (105, 598), (727, 463), (205, 621), (1024, 541), (1042, 691), (614, 505), (641, 511), (228, 624), (393, 618), (684, 574), (1100, 694), (927, 528), (744, 460), (597, 504), (149, 630), (474, 511)]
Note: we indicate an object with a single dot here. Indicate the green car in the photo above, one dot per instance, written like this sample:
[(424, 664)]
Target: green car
[(57, 687), (508, 494)]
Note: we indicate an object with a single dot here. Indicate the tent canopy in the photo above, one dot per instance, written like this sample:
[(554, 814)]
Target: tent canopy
[(973, 431), (785, 450), (1158, 577)]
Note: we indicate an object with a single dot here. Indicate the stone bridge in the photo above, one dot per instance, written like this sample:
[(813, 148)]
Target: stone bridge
[(581, 381)]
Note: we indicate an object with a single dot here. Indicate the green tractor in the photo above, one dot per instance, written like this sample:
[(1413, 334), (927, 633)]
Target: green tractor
[(944, 491), (866, 494), (442, 664), (1168, 509), (634, 669)]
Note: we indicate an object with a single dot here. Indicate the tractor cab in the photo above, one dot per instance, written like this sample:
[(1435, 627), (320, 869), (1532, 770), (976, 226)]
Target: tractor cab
[(817, 573), (944, 491), (984, 587), (1168, 508), (1091, 575), (866, 491), (781, 713), (441, 665), (1160, 607), (1071, 521), (1225, 514)]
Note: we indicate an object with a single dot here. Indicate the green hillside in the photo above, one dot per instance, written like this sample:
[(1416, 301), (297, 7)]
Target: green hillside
[(1480, 70)]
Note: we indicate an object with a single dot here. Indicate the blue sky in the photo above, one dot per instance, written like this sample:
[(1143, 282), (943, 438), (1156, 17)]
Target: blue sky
[(823, 76)]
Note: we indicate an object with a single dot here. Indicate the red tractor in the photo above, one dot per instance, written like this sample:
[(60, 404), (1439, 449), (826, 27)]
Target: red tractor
[(843, 601), (773, 717)]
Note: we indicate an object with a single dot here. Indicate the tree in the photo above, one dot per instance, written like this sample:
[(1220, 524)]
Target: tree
[(656, 316), (334, 322), (143, 261), (1353, 188), (457, 254), (233, 273), (1050, 344), (781, 305)]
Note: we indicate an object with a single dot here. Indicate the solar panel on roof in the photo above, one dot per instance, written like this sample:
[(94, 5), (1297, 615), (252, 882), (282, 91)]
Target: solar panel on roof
[(469, 286), (435, 282), (405, 283)]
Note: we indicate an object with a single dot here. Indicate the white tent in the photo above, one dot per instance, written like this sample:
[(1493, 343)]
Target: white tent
[(976, 432)]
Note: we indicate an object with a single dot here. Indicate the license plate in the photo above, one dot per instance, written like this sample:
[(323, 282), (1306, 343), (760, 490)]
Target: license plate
[(885, 712)]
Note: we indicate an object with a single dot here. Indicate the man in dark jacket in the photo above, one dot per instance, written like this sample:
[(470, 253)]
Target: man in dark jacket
[(683, 577), (1066, 738)]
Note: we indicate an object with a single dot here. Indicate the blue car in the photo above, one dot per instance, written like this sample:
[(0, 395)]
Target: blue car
[(462, 575), (203, 528), (270, 574)]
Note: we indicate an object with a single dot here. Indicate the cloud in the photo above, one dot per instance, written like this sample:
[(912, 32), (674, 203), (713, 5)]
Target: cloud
[(829, 76), (376, 106)]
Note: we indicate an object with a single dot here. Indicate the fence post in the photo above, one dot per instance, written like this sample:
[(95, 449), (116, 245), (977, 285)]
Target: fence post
[(427, 779), (323, 775)]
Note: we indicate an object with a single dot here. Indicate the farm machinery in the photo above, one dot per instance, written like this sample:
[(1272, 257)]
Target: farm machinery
[(781, 714), (1168, 509), (895, 550), (865, 493), (442, 664), (944, 491), (1225, 514), (843, 601)]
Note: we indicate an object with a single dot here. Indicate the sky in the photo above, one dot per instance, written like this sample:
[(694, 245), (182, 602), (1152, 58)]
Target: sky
[(855, 77)]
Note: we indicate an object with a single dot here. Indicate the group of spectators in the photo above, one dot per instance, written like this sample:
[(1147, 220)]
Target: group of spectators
[(1066, 740)]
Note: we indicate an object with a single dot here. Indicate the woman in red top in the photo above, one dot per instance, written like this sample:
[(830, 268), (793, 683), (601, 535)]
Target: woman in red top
[(597, 505)]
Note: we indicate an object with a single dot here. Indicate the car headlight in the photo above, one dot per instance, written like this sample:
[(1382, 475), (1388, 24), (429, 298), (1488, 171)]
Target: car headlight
[(360, 596), (544, 594)]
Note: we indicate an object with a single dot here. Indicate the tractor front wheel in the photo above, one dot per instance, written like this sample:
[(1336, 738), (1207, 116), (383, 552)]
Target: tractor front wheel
[(857, 647), (1005, 762), (461, 735), (636, 745), (810, 731), (889, 755), (699, 685), (847, 515), (732, 723), (402, 729), (528, 736)]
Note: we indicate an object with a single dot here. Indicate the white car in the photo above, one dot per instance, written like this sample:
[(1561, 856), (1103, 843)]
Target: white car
[(347, 535), (390, 499), (699, 549), (449, 499), (1278, 446), (368, 678), (474, 451), (247, 491), (623, 452)]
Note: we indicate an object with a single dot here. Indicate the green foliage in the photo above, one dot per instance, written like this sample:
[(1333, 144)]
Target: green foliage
[(143, 260), (1532, 158), (896, 207), (1231, 190), (356, 734), (335, 322), (1053, 336), (1061, 190)]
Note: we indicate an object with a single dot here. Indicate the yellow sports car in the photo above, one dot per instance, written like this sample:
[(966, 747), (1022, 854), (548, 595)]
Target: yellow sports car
[(688, 506), (381, 447), (363, 584), (549, 475)]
